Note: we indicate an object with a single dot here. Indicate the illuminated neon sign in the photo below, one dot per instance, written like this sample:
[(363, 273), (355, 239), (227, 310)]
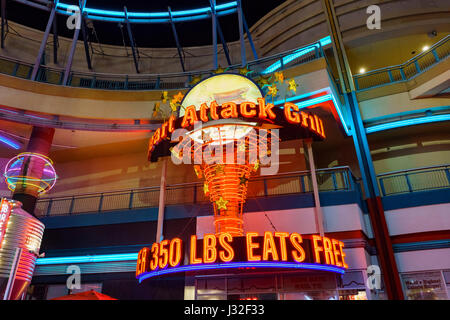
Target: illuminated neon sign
[(261, 111), (271, 250), (5, 213)]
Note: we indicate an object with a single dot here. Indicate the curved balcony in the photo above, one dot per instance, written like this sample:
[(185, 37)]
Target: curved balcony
[(405, 71), (167, 81), (256, 68), (332, 179), (329, 180)]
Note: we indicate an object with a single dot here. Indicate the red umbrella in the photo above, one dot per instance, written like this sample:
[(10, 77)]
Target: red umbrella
[(86, 295)]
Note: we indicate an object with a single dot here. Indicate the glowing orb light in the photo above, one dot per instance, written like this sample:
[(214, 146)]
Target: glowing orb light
[(30, 170)]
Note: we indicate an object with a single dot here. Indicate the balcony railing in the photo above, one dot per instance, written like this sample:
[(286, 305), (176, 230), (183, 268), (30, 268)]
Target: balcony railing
[(405, 71), (166, 81), (332, 179), (420, 179)]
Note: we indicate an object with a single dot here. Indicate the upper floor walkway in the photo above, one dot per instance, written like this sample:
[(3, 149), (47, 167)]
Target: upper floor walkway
[(399, 189), (254, 69)]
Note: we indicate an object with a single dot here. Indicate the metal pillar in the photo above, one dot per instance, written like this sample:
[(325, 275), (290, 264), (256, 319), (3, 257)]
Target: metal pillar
[(130, 35), (162, 199), (85, 41), (317, 209), (70, 59), (214, 32), (224, 43), (73, 47), (372, 195), (241, 33), (250, 39), (174, 30), (55, 41), (37, 62), (222, 38), (3, 10)]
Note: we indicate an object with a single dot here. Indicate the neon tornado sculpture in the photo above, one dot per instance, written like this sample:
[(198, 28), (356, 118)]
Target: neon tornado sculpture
[(225, 155)]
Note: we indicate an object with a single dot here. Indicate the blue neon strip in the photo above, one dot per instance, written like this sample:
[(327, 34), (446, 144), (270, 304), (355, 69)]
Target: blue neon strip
[(86, 259), (317, 100), (157, 20), (408, 122), (268, 264), (313, 101), (19, 162), (307, 103), (201, 12), (308, 94), (300, 52), (9, 142)]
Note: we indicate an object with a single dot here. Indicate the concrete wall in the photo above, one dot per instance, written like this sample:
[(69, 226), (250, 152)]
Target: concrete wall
[(418, 219), (383, 106), (337, 218), (423, 260), (410, 147)]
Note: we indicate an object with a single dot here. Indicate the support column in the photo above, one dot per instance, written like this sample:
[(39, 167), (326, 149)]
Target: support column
[(214, 32), (37, 63), (40, 142), (318, 213), (86, 44), (177, 42), (371, 192), (55, 41), (130, 35), (162, 200), (71, 54), (3, 11), (250, 39), (222, 38), (241, 33)]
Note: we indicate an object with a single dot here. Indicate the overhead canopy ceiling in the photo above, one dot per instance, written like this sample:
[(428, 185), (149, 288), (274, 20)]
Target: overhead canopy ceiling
[(195, 33)]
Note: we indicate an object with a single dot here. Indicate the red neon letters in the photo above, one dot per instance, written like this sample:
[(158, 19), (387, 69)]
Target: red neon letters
[(230, 110), (223, 248)]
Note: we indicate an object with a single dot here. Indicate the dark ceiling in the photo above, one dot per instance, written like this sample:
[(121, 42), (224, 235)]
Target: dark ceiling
[(194, 33)]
